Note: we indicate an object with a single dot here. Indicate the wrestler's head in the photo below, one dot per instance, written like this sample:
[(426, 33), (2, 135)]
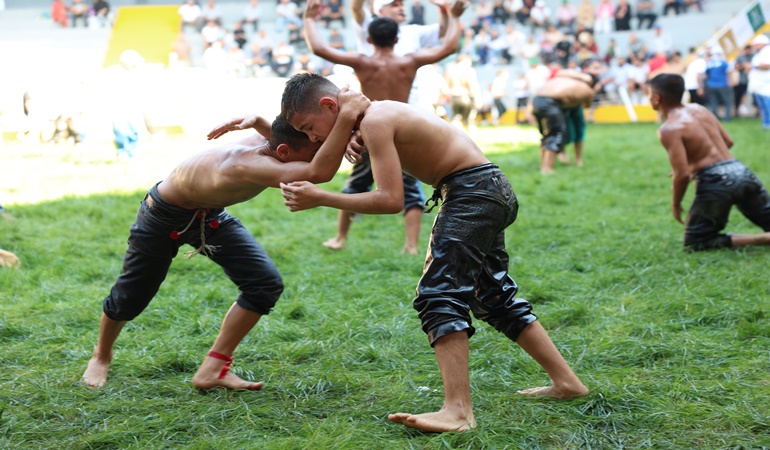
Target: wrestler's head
[(289, 144), (392, 9), (383, 32), (666, 90), (309, 104)]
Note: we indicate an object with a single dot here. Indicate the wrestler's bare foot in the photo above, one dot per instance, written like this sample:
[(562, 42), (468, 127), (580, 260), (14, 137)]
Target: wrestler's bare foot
[(441, 421), (95, 375), (547, 171), (409, 249), (207, 377), (561, 392), (8, 259), (335, 243), (563, 158), (579, 162)]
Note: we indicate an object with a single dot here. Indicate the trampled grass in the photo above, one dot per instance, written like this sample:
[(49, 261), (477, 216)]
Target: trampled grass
[(675, 346)]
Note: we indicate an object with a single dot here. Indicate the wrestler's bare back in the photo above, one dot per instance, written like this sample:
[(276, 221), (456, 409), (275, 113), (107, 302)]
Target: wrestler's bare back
[(570, 92), (217, 177), (704, 139), (428, 147)]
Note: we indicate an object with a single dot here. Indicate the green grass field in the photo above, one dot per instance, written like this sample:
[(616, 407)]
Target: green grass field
[(675, 346)]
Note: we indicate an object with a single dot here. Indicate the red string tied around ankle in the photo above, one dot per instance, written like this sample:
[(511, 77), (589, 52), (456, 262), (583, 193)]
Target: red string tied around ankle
[(227, 359)]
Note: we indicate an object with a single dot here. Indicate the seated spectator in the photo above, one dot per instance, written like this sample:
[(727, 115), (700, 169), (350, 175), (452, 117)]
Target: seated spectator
[(239, 35), (670, 4), (657, 61), (263, 40), (101, 12), (211, 12), (336, 40), (586, 16), (258, 60), (190, 13), (522, 10), (215, 58), (79, 11), (540, 16), (500, 12), (252, 13), (530, 50), (498, 47), (661, 41), (483, 11), (418, 13), (236, 62), (636, 48), (481, 43), (304, 64), (685, 5), (616, 79), (673, 65), (286, 12), (211, 32), (637, 80), (334, 11), (605, 13), (180, 52), (645, 12), (296, 38), (613, 51), (282, 60), (59, 13), (623, 16), (565, 17)]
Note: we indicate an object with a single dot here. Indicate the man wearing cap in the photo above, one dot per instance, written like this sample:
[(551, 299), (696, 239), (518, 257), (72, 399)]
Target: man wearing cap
[(759, 77), (714, 83)]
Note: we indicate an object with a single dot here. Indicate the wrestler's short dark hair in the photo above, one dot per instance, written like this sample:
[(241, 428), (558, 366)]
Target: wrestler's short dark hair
[(669, 86), (302, 93), (383, 32), (283, 133)]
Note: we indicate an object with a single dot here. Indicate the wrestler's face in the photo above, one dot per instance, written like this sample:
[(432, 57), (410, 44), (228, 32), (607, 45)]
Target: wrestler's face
[(654, 100), (304, 154), (317, 125)]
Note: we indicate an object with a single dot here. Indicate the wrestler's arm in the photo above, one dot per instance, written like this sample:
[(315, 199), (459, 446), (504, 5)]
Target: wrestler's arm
[(261, 125), (387, 198), (450, 43), (575, 75), (680, 178), (357, 11), (318, 46), (443, 17), (270, 171), (728, 140)]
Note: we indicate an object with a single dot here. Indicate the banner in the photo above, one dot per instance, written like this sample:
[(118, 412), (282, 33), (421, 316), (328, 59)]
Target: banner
[(741, 29)]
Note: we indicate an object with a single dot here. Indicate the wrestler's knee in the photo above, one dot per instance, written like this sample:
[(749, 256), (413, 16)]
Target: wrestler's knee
[(441, 316), (509, 318), (121, 307), (263, 297), (698, 244)]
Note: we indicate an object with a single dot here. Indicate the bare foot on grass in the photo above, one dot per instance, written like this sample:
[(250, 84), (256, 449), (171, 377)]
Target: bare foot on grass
[(8, 259), (335, 243), (561, 393), (442, 421), (563, 158), (207, 377), (409, 249), (95, 375)]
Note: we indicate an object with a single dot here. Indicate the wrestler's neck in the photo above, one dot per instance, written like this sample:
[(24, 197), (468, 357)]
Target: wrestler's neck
[(666, 110)]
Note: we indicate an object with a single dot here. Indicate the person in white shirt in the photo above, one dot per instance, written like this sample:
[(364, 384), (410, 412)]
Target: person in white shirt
[(190, 14), (691, 74), (286, 11), (759, 77), (252, 13)]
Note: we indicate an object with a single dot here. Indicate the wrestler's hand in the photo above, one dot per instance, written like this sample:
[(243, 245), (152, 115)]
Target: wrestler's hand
[(457, 8), (238, 123), (301, 195), (442, 4), (677, 210), (352, 103), (313, 10), (355, 148)]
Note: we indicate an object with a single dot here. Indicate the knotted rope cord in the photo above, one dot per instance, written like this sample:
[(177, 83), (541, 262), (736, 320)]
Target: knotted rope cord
[(204, 248)]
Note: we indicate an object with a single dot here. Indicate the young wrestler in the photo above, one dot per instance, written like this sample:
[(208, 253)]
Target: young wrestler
[(564, 92), (188, 208), (699, 149), (466, 268), (385, 75)]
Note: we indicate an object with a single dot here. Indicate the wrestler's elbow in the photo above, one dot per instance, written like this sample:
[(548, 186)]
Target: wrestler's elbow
[(321, 175), (391, 205)]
